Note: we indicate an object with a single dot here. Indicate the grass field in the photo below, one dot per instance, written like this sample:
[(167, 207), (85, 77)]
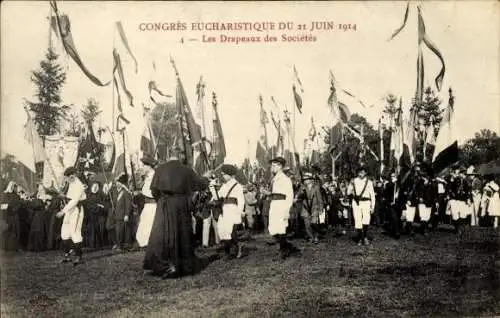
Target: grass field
[(436, 275)]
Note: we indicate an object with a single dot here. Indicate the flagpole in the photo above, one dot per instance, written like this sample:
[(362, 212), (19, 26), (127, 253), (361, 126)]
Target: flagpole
[(50, 26), (113, 84)]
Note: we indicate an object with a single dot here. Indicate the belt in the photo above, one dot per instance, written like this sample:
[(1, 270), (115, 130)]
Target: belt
[(230, 201), (363, 199), (149, 200), (172, 194), (277, 196)]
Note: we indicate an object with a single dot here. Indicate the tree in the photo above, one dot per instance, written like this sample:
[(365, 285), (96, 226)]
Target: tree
[(48, 109), (74, 125), (164, 125), (353, 154), (483, 148), (90, 111)]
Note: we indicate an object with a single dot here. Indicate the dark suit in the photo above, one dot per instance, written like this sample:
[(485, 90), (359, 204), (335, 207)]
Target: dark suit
[(123, 208)]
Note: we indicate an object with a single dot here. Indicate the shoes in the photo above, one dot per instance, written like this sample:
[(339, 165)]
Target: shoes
[(77, 261), (366, 241), (315, 240), (171, 272), (66, 259)]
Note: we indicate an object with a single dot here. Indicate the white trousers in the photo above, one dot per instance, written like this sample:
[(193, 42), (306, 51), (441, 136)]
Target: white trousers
[(72, 225), (210, 221), (145, 224), (424, 212), (361, 213), (226, 223), (458, 209)]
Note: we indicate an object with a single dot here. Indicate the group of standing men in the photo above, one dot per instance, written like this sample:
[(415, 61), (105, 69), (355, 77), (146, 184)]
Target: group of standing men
[(166, 226)]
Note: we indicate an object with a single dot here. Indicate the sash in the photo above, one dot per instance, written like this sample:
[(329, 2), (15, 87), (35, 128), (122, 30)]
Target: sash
[(357, 197)]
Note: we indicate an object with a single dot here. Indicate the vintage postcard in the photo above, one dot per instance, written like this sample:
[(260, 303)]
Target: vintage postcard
[(250, 159)]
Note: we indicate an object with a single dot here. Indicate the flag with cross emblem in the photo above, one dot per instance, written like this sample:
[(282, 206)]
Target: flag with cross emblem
[(89, 153)]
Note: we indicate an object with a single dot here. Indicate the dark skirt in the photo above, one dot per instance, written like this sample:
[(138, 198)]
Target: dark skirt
[(170, 242), (38, 236)]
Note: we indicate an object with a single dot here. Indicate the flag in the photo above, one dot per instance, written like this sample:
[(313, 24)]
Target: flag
[(194, 147), (147, 144), (423, 37), (218, 144), (446, 148), (154, 89), (404, 22), (117, 68), (297, 95), (33, 138), (262, 151), (62, 28), (89, 153), (119, 27)]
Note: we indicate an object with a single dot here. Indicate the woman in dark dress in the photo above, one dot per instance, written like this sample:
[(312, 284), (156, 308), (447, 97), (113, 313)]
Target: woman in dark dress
[(170, 252), (38, 236), (11, 205)]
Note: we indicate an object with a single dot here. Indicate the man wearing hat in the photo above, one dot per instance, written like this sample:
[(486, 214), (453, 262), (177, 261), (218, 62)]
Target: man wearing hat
[(312, 205), (232, 200), (460, 195), (149, 210), (281, 197), (71, 230), (122, 211), (363, 195)]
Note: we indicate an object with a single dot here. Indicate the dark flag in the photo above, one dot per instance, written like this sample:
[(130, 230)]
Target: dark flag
[(89, 153), (446, 149), (62, 28), (192, 141), (218, 144)]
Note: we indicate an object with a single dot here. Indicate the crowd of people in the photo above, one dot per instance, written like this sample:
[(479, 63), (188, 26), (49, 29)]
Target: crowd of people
[(176, 210)]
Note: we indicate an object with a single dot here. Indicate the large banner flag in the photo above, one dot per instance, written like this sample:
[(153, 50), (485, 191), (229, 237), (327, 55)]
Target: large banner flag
[(446, 148), (62, 28), (298, 90), (89, 153), (62, 152)]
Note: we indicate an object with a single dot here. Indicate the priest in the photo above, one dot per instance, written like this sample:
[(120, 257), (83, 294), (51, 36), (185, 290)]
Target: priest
[(170, 252)]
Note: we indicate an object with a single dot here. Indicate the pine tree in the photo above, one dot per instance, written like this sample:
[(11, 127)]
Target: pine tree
[(48, 109)]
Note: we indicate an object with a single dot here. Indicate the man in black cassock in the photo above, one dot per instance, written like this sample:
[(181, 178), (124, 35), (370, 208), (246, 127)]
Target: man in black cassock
[(170, 252)]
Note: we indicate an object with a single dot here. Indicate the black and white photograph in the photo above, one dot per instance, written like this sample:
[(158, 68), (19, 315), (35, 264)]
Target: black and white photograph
[(250, 159)]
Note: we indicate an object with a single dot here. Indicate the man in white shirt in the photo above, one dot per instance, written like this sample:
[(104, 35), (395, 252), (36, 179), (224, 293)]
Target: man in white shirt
[(281, 197), (233, 203), (71, 230), (363, 195)]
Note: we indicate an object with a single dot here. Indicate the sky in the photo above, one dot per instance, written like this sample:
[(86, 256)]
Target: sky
[(363, 61)]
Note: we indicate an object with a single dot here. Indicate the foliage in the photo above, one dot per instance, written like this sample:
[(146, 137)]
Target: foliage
[(165, 126), (483, 148), (48, 108), (353, 154), (75, 125), (90, 111)]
